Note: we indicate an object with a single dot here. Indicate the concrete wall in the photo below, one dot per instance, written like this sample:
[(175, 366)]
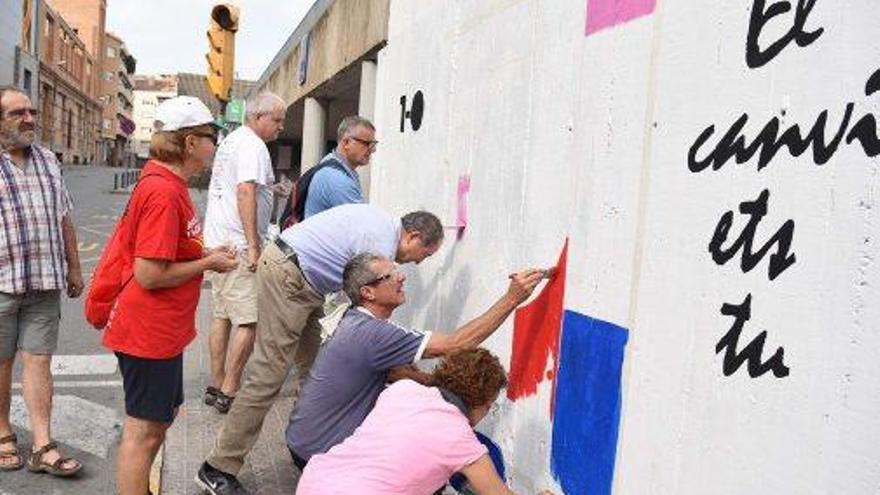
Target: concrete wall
[(348, 30), (576, 119)]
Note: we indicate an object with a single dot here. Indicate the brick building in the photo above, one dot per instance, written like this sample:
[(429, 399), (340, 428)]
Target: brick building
[(68, 93)]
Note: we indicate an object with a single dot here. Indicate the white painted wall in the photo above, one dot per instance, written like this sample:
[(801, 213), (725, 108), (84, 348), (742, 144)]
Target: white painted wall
[(588, 136)]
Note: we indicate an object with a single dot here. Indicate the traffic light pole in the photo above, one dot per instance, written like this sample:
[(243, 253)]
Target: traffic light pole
[(221, 51)]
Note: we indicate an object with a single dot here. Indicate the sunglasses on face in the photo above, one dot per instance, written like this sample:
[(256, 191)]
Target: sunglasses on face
[(210, 135), (379, 280)]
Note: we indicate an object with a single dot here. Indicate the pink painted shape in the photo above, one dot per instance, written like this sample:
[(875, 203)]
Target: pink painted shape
[(603, 14), (464, 187)]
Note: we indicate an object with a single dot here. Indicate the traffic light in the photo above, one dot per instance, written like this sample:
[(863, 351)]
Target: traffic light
[(221, 49)]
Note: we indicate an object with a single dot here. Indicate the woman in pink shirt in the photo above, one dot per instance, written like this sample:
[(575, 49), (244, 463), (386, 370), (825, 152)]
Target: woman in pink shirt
[(417, 437)]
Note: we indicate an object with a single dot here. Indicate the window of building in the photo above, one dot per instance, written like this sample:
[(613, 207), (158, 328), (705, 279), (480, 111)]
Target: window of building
[(111, 52), (49, 38), (69, 128), (46, 116), (26, 81)]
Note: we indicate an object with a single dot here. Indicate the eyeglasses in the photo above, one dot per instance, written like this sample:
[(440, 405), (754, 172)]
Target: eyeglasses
[(379, 280), (210, 135), (20, 112), (365, 142)]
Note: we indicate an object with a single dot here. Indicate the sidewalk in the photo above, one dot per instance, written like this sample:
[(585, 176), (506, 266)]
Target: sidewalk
[(268, 470)]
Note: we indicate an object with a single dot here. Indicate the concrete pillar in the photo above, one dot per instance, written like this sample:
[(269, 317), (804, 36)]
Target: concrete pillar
[(314, 121), (367, 109)]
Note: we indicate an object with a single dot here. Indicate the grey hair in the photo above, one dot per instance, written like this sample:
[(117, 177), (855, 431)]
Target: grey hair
[(357, 273), (425, 223), (350, 124), (8, 88), (261, 104)]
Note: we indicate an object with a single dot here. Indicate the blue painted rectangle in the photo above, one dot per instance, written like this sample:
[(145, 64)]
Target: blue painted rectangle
[(588, 398)]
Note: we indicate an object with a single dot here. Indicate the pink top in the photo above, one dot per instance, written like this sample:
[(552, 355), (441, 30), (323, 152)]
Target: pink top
[(410, 444)]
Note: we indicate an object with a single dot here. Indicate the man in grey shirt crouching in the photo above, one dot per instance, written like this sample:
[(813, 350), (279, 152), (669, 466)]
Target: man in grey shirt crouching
[(353, 365)]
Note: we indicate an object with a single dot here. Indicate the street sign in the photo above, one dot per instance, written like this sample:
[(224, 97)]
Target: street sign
[(235, 111)]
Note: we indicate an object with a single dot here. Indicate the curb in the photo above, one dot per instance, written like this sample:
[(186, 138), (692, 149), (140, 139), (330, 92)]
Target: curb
[(156, 472)]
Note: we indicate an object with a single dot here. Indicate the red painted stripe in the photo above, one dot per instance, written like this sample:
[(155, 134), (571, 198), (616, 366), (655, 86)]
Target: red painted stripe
[(536, 331)]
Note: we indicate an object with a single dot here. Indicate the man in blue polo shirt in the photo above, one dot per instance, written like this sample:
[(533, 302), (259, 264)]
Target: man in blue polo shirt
[(333, 181), (354, 363), (293, 275), (337, 182)]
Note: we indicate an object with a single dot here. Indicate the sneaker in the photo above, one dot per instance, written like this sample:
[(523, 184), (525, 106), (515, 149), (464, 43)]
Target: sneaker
[(223, 402), (211, 396), (217, 482)]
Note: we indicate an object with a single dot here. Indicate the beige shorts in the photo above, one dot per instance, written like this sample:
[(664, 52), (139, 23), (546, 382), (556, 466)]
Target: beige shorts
[(29, 322), (234, 295)]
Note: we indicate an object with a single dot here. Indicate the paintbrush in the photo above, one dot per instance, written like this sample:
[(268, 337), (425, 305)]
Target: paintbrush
[(547, 273)]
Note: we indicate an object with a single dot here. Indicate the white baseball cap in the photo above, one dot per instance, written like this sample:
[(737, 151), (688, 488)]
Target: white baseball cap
[(182, 111)]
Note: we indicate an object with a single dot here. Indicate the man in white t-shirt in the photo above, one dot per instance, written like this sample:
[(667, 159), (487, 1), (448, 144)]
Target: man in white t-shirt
[(239, 205)]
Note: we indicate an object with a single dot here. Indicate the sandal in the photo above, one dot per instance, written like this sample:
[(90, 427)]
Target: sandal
[(211, 395), (224, 402), (35, 463), (6, 457)]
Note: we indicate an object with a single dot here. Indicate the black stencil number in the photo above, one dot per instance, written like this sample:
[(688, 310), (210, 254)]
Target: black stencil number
[(415, 112)]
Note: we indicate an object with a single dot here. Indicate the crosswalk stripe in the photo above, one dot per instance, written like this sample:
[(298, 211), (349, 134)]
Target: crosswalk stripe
[(91, 364), (79, 384), (76, 422)]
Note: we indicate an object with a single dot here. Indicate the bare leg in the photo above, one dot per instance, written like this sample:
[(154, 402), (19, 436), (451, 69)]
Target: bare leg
[(141, 440), (239, 352), (5, 395), (37, 392), (218, 341)]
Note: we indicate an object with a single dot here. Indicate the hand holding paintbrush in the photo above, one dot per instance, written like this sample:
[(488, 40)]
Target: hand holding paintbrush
[(523, 283)]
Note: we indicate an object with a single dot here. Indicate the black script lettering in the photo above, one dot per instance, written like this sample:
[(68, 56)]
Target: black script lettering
[(769, 142), (873, 83), (779, 261), (865, 130), (755, 56), (751, 353)]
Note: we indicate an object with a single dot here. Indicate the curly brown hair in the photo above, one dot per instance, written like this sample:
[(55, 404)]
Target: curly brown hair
[(475, 375)]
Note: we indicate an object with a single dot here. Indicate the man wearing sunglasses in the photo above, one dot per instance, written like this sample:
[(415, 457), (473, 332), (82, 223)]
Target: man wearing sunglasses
[(38, 260), (354, 364), (334, 180), (240, 201)]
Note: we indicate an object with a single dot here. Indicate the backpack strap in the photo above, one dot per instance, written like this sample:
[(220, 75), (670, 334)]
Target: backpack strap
[(295, 206), (305, 181), (125, 215), (127, 204)]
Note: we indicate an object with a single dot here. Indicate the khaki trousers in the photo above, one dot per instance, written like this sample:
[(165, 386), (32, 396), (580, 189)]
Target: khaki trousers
[(288, 309)]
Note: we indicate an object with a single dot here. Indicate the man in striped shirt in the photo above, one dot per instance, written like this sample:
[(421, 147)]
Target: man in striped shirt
[(38, 259)]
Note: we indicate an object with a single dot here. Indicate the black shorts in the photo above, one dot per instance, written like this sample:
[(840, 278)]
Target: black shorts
[(153, 387)]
